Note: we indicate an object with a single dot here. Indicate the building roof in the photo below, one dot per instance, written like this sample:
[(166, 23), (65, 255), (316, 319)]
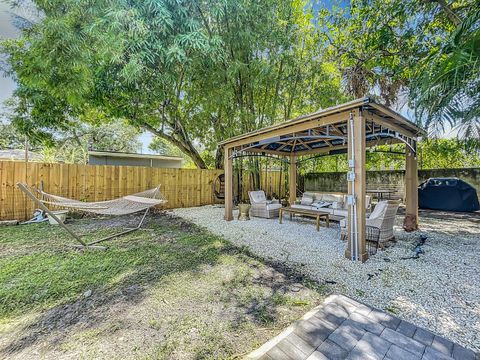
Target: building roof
[(134, 155), (19, 154)]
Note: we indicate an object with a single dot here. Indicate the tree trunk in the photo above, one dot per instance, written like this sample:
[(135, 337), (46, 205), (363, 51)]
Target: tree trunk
[(219, 158), (184, 145)]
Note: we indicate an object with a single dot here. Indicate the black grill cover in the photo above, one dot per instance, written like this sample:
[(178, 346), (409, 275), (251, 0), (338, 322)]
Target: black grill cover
[(450, 194)]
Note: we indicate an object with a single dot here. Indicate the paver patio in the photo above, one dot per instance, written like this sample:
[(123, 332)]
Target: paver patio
[(342, 328)]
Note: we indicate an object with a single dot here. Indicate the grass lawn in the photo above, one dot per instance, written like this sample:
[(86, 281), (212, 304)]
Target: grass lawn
[(172, 291)]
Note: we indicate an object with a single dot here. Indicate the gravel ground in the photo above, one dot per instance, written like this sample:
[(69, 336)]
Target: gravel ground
[(439, 291)]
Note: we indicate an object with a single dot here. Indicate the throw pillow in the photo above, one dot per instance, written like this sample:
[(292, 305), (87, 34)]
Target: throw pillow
[(321, 204)]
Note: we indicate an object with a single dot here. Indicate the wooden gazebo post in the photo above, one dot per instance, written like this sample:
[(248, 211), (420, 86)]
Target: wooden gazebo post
[(410, 222), (292, 180), (228, 168), (357, 187)]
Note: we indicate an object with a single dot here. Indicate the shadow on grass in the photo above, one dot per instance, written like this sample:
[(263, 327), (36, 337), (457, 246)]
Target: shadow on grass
[(277, 285), (82, 286)]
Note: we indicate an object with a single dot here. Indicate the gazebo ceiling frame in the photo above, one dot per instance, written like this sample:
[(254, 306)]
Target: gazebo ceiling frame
[(350, 128)]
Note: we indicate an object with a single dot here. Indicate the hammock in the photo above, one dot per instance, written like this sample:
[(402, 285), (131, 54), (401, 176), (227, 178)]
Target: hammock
[(125, 205)]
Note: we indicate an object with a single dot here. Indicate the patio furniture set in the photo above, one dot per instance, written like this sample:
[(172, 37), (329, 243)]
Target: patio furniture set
[(326, 207)]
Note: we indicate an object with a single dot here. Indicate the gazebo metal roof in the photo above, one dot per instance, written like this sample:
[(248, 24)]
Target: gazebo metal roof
[(329, 134)]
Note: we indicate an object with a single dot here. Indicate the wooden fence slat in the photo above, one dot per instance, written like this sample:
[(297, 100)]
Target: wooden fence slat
[(19, 175), (3, 190), (182, 187), (10, 186)]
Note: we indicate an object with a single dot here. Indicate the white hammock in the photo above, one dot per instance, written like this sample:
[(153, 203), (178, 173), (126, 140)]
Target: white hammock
[(130, 204), (122, 206)]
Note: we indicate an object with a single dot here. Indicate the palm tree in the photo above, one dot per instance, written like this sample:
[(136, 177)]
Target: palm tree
[(448, 90)]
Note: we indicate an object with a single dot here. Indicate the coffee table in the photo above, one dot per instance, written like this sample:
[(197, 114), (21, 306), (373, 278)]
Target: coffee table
[(310, 213)]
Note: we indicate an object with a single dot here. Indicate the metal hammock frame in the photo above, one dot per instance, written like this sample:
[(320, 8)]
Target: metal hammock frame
[(96, 208)]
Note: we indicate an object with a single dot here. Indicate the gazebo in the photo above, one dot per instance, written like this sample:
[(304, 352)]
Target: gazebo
[(348, 128)]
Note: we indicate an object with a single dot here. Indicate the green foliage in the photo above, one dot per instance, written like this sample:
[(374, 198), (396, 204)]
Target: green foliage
[(448, 87), (163, 147), (449, 154), (10, 138), (72, 146), (428, 50), (432, 154), (331, 163)]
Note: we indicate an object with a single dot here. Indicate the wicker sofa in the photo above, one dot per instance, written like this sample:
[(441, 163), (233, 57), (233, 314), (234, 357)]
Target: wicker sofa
[(333, 204), (261, 207)]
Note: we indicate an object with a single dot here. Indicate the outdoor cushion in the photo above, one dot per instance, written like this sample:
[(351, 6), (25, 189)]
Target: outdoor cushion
[(340, 212), (299, 206), (311, 194), (258, 197), (337, 205), (274, 206), (321, 204), (308, 207), (306, 200), (379, 210), (325, 210), (332, 197)]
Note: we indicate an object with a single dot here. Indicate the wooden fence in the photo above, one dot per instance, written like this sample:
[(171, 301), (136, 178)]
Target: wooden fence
[(272, 182), (182, 187)]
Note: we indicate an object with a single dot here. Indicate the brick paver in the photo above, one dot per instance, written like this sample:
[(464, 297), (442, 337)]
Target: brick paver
[(343, 328)]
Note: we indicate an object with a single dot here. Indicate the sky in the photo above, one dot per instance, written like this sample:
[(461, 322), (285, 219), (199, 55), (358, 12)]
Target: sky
[(7, 31)]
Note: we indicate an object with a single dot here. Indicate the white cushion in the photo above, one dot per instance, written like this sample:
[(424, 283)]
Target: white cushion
[(257, 196), (340, 212), (306, 200), (379, 210), (312, 195), (337, 205), (368, 202), (299, 206), (273, 206), (325, 210), (332, 197)]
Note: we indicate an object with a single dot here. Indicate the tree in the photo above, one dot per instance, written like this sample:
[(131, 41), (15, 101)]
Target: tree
[(272, 68), (10, 138), (123, 59), (448, 87), (186, 71), (71, 145), (425, 50), (449, 154)]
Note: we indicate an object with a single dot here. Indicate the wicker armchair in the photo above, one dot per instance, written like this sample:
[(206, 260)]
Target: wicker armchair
[(379, 224), (261, 207)]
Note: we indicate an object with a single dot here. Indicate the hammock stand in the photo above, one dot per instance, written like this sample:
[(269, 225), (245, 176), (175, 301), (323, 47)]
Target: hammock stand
[(139, 202)]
